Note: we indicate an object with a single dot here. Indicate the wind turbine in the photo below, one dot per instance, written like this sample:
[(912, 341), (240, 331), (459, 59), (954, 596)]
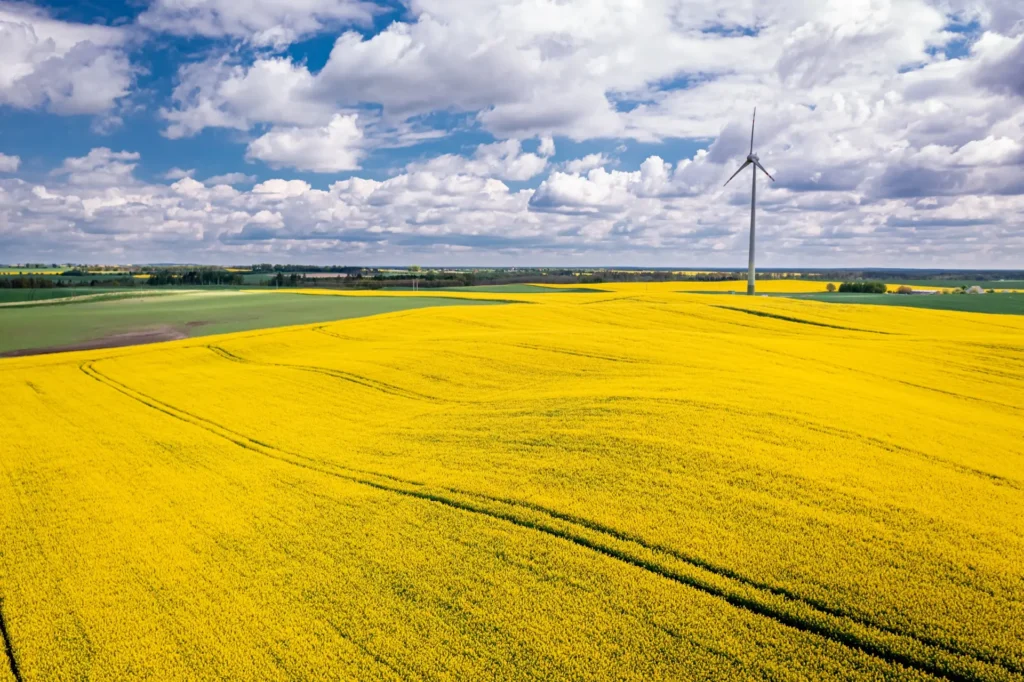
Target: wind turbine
[(752, 160)]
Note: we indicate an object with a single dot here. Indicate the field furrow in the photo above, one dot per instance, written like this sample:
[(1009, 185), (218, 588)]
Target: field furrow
[(783, 606)]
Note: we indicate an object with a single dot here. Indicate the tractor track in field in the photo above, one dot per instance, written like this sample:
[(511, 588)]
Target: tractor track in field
[(915, 652), (797, 320), (579, 354), (323, 330), (366, 382), (12, 662), (817, 427), (883, 377)]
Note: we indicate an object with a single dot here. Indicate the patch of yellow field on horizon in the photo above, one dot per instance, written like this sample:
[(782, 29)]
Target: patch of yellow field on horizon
[(631, 485), (28, 273), (775, 286)]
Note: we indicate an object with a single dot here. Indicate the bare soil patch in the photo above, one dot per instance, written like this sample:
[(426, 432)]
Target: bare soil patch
[(132, 338)]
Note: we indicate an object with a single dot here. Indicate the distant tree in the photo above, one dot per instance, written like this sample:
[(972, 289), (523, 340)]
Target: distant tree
[(904, 289), (862, 287), (830, 288)]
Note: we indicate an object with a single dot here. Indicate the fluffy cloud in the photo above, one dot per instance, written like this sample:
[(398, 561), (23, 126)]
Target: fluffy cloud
[(530, 68), (1000, 58), (662, 213), (274, 23), (63, 67), (178, 173), (504, 160), (219, 94), (9, 164), (230, 179), (546, 147), (588, 162), (893, 128), (328, 149), (100, 167)]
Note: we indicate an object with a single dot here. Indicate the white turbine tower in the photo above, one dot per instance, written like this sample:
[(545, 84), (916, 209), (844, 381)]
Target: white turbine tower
[(752, 160)]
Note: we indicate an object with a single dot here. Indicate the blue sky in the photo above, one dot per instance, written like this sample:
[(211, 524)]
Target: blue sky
[(511, 131)]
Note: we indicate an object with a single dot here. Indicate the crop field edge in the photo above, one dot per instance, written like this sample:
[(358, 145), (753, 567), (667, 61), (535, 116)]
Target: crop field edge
[(333, 310)]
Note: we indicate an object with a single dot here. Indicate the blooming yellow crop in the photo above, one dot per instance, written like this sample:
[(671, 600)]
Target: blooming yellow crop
[(30, 272), (638, 484)]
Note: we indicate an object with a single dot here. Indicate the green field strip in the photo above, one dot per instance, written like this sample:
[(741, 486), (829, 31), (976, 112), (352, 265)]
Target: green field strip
[(189, 314), (994, 304)]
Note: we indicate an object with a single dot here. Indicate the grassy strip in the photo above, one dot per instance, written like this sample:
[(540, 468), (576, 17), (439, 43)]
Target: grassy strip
[(32, 295), (193, 314), (995, 304), (86, 298)]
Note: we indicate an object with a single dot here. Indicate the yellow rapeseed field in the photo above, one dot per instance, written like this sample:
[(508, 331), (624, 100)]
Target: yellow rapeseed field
[(30, 272), (640, 484)]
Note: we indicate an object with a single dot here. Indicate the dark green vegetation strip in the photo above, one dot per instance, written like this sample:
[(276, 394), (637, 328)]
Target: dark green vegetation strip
[(188, 314), (998, 304), (78, 279), (105, 295), (19, 295)]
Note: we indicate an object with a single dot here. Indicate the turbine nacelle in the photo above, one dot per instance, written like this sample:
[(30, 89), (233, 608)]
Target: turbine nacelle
[(752, 158)]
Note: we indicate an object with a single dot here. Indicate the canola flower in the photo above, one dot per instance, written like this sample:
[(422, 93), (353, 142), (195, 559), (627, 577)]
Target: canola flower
[(636, 484)]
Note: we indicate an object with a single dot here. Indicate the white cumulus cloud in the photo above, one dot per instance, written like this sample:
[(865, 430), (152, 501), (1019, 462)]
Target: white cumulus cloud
[(9, 164), (64, 67), (264, 23), (326, 149), (505, 160), (230, 179), (655, 215)]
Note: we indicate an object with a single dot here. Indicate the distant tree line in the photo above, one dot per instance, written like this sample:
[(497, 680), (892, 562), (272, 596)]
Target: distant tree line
[(281, 280), (198, 277), (862, 288), (354, 277), (26, 282), (896, 275), (340, 269)]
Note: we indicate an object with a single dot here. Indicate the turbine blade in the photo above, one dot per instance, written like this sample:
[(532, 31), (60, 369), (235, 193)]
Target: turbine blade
[(758, 164), (752, 121), (745, 164)]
